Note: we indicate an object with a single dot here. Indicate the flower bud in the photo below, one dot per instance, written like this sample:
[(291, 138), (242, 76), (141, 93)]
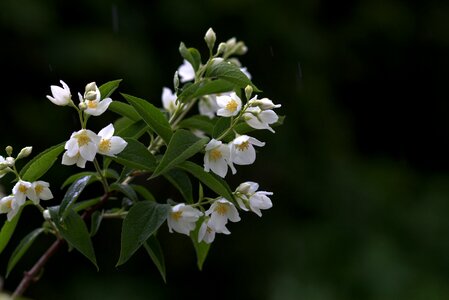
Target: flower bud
[(10, 161), (240, 48), (210, 39), (9, 150), (25, 152), (176, 81), (82, 105), (91, 92), (248, 91), (221, 48), (265, 104), (46, 215)]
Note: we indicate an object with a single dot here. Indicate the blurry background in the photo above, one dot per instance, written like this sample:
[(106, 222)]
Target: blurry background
[(359, 171)]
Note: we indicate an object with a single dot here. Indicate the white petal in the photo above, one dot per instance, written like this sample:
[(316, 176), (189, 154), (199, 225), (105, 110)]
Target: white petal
[(88, 151), (268, 116), (72, 147), (168, 99), (233, 214), (117, 145), (81, 162), (245, 157), (107, 132), (69, 160), (186, 71), (222, 101), (213, 143), (219, 167)]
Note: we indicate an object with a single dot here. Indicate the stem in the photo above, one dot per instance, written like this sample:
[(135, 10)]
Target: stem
[(100, 172)]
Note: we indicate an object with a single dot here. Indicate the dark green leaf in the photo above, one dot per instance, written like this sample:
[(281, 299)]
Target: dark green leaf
[(134, 130), (202, 123), (126, 190), (221, 126), (191, 55), (212, 181), (77, 176), (182, 146), (82, 205), (231, 73), (154, 118), (72, 194), (108, 88), (124, 110), (22, 248), (142, 220), (157, 255), (180, 180), (143, 192), (41, 163), (95, 222), (74, 231), (201, 249), (136, 156), (8, 228)]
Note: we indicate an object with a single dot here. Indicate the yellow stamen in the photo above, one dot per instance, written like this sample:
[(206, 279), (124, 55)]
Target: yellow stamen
[(209, 230), (176, 215), (83, 139), (215, 154), (23, 189), (232, 105), (221, 209), (92, 104), (39, 188), (105, 145), (243, 146), (9, 204)]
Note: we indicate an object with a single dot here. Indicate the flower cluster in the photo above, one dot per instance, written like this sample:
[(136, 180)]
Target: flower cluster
[(185, 218)]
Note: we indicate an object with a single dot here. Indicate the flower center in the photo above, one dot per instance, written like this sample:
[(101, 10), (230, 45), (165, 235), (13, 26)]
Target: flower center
[(243, 146), (23, 189), (9, 204), (176, 215), (215, 154), (92, 104), (221, 209), (232, 105), (39, 188), (83, 139), (105, 145)]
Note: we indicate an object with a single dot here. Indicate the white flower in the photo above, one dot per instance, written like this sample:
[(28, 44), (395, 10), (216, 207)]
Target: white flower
[(9, 206), (263, 104), (110, 145), (183, 218), (243, 152), (91, 100), (81, 147), (60, 96), (5, 165), (186, 71), (207, 233), (169, 100), (220, 212), (42, 190), (207, 106), (22, 190), (229, 105), (247, 197), (217, 158), (260, 119)]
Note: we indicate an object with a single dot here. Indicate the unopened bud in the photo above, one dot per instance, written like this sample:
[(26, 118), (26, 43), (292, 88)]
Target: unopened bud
[(176, 80), (25, 152), (266, 103), (10, 161), (82, 105), (210, 39), (91, 92), (240, 48), (221, 48), (248, 91), (9, 150), (46, 215)]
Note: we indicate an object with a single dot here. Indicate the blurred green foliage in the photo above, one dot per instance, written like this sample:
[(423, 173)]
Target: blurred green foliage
[(359, 169)]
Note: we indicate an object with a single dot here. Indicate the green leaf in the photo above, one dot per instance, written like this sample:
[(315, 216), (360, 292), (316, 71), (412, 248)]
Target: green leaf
[(231, 73), (72, 194), (108, 88), (212, 181), (154, 118), (75, 232), (124, 110), (182, 146), (95, 222), (180, 180), (134, 130), (202, 123), (191, 55), (142, 220), (126, 190), (77, 176), (136, 156), (41, 163), (157, 255), (221, 126), (203, 88), (143, 192), (201, 249), (8, 228), (22, 248)]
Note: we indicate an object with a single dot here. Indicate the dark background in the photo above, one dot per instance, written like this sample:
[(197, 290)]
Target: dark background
[(359, 171)]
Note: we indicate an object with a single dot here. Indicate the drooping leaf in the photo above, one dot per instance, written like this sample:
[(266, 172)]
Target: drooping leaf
[(181, 181), (95, 222), (41, 163), (124, 110), (9, 227), (201, 248), (212, 181), (182, 146), (221, 126), (108, 88), (22, 248), (231, 73), (142, 220), (73, 229), (191, 55), (154, 118), (157, 255), (202, 123), (72, 194), (125, 189), (136, 156)]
